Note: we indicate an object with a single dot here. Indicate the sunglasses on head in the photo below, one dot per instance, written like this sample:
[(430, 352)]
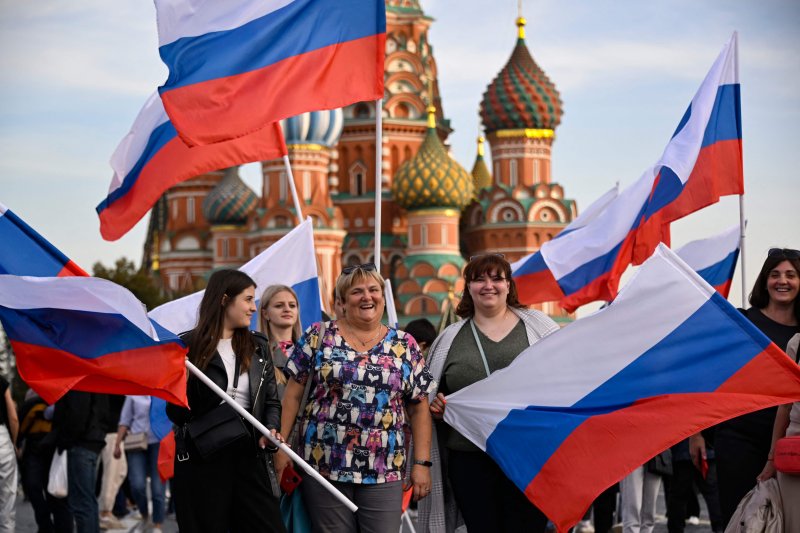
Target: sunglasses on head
[(366, 267), (786, 253), (473, 257)]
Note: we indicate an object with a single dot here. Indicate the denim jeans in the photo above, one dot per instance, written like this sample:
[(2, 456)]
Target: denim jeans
[(82, 477), (141, 464)]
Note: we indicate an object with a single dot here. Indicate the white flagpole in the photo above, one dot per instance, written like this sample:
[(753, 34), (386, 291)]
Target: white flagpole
[(295, 198), (260, 427), (378, 174), (391, 310), (742, 224)]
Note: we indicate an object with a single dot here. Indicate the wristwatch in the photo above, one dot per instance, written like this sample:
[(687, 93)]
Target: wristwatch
[(423, 463)]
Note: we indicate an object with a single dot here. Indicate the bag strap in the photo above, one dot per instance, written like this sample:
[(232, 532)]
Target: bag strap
[(480, 348), (236, 369)]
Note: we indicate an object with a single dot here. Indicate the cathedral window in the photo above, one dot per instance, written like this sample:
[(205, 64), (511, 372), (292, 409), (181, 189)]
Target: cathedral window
[(358, 179), (282, 186), (513, 177), (307, 185), (190, 210)]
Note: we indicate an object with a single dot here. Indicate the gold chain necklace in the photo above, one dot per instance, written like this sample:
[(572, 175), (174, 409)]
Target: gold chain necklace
[(369, 341)]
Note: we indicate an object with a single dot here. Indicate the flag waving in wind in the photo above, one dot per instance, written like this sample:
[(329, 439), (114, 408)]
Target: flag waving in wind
[(151, 158), (714, 258), (585, 406), (236, 66), (703, 159)]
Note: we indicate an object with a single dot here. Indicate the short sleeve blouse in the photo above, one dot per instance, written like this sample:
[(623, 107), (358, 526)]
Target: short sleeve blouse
[(352, 429)]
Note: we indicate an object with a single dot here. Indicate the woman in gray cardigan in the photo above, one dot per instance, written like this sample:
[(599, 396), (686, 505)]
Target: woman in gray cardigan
[(495, 330)]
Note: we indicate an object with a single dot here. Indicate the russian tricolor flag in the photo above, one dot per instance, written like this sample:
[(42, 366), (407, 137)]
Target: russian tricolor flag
[(88, 334), (290, 261), (29, 254), (586, 405), (151, 158), (714, 258), (703, 159), (534, 280), (236, 66)]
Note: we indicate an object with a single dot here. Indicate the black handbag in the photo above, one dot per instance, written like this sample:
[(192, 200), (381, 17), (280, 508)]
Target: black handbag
[(217, 428), (661, 464)]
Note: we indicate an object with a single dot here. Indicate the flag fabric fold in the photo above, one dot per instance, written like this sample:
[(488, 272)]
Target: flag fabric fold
[(714, 258), (586, 405), (28, 253), (88, 334), (703, 160), (236, 66), (151, 158)]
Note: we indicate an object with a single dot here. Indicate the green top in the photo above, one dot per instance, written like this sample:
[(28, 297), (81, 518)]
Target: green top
[(464, 367)]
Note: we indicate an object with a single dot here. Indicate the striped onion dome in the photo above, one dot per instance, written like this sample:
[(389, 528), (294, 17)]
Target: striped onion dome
[(230, 201), (432, 178), (315, 127), (521, 96), (481, 177), (403, 6)]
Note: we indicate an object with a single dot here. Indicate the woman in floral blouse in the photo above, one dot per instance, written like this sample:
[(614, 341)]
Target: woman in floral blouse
[(366, 376)]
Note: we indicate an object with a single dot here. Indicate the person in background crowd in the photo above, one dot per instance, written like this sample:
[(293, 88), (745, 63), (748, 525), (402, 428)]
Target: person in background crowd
[(135, 418), (742, 444), (9, 426), (231, 488), (681, 489), (423, 332), (279, 320), (495, 330), (51, 513), (787, 424), (78, 426), (114, 468), (364, 373), (639, 493)]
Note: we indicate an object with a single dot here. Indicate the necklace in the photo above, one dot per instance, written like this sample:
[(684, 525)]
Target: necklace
[(369, 341)]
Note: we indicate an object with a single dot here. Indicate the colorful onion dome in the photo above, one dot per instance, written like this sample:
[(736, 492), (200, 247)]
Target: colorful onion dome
[(521, 96), (230, 201), (315, 127), (432, 178), (403, 6), (481, 177)]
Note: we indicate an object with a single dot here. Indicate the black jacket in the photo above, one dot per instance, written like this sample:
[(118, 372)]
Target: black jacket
[(78, 419), (264, 403)]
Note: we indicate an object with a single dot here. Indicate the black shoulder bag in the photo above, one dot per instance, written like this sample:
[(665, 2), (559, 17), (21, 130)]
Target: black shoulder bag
[(219, 427)]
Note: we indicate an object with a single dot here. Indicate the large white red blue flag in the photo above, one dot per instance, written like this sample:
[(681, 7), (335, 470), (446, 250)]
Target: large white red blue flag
[(535, 282), (238, 65), (290, 261), (585, 406), (88, 334), (151, 158), (703, 159), (714, 258)]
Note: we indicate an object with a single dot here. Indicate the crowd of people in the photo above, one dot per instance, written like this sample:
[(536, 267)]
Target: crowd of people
[(363, 403)]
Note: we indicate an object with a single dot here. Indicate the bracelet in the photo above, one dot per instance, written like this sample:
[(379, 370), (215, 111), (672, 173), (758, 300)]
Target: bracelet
[(423, 463)]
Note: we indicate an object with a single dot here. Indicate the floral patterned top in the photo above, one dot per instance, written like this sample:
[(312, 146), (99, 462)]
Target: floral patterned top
[(352, 430)]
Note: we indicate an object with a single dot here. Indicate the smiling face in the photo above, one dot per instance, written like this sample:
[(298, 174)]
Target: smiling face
[(239, 309), (489, 291), (783, 283), (281, 311), (364, 301)]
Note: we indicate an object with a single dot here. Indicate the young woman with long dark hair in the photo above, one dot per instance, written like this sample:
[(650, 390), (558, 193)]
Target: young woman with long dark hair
[(231, 485)]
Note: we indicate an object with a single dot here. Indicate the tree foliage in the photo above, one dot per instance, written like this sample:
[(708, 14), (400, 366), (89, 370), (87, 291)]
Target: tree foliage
[(125, 273)]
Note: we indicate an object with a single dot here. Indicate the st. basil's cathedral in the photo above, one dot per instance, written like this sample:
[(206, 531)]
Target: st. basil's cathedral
[(435, 213)]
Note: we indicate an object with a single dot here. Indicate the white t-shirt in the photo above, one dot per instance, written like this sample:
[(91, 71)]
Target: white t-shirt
[(225, 349)]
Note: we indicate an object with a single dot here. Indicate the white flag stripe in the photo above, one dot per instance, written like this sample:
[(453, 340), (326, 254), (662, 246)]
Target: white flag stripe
[(704, 253), (190, 18), (681, 152), (78, 293), (564, 367)]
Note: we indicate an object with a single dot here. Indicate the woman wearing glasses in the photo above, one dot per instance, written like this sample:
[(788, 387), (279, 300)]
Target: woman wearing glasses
[(365, 376), (742, 444), (495, 330)]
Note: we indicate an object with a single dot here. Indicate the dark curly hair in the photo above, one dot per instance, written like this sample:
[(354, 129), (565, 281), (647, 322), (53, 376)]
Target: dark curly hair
[(479, 266)]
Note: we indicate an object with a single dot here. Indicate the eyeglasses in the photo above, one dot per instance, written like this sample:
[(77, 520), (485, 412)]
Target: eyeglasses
[(366, 267), (787, 253), (473, 257)]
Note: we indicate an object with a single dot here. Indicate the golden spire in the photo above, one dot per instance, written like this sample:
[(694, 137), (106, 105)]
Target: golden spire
[(431, 109), (480, 145), (520, 21)]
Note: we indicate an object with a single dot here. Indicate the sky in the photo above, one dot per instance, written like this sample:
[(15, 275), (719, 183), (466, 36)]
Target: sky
[(75, 74)]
